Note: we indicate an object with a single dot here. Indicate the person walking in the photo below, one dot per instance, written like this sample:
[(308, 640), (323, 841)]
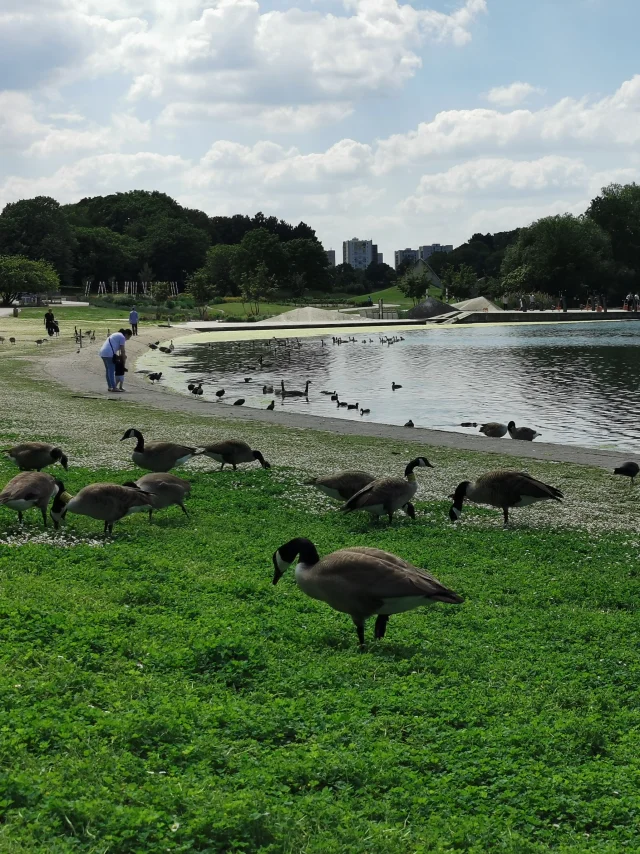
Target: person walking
[(133, 320), (505, 302), (112, 347), (50, 323)]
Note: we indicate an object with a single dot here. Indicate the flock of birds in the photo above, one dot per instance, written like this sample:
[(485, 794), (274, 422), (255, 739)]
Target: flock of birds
[(359, 581)]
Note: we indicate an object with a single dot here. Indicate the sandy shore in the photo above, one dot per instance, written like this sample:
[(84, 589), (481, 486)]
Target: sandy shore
[(83, 373)]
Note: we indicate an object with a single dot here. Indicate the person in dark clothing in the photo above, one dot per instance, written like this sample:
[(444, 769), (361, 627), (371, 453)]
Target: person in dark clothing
[(50, 323)]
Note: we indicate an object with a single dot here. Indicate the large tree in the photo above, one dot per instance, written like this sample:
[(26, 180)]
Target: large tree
[(20, 275), (220, 274), (261, 247), (561, 254), (174, 249), (617, 211), (102, 253), (38, 229), (307, 261)]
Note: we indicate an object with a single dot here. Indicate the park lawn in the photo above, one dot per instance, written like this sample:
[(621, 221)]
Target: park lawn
[(395, 296)]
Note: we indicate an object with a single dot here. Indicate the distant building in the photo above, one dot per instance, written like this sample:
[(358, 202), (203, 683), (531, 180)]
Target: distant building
[(331, 257), (402, 255), (425, 252), (380, 259), (359, 253)]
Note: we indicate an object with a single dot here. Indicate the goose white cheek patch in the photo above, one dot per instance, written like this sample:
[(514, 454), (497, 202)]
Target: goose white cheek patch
[(283, 566)]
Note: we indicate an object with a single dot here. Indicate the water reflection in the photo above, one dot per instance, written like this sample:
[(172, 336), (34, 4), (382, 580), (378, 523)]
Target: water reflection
[(575, 383)]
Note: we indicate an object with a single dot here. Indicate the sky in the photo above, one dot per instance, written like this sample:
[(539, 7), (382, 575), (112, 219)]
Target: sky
[(407, 124)]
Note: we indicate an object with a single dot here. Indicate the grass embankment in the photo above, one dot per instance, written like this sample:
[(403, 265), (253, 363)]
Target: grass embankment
[(160, 694)]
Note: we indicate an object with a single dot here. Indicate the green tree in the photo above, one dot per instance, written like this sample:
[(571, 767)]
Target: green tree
[(462, 282), (617, 211), (101, 253), (256, 286), (22, 275), (174, 249), (261, 247), (38, 229), (348, 280), (414, 285), (307, 266), (161, 292), (379, 276), (561, 254)]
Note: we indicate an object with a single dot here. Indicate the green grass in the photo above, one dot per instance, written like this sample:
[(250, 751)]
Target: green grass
[(395, 296), (160, 694)]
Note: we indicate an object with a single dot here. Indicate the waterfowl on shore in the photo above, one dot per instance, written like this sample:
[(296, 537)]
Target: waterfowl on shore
[(233, 452), (495, 430), (293, 392), (163, 489), (629, 469), (503, 489), (168, 349), (386, 495), (361, 582), (524, 434), (33, 456), (220, 393), (158, 456), (155, 377), (342, 485), (154, 346), (107, 502), (272, 405), (30, 489), (239, 402), (409, 424)]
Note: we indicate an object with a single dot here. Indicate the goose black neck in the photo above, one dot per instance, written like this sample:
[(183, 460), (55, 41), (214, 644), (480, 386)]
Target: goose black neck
[(140, 440), (302, 547)]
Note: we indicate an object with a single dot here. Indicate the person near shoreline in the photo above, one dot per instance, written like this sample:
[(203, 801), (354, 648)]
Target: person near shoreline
[(133, 320), (50, 323), (113, 347), (120, 370)]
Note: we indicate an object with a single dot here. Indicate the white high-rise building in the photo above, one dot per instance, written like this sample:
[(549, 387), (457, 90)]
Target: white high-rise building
[(401, 255), (425, 252), (359, 253)]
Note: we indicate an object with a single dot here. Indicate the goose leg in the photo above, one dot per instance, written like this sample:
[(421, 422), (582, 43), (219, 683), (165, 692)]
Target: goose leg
[(381, 626), (235, 467), (150, 515), (20, 516), (222, 466), (184, 509), (106, 527), (360, 630), (505, 510), (44, 516)]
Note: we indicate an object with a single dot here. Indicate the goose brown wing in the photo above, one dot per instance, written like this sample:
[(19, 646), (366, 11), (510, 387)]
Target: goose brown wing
[(379, 576), (525, 484), (510, 486), (375, 493), (168, 448), (28, 485)]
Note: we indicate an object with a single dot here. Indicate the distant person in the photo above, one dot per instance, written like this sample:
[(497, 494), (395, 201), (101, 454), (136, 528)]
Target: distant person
[(505, 302), (50, 323), (521, 304), (110, 350), (120, 370), (133, 320), (636, 300), (532, 302)]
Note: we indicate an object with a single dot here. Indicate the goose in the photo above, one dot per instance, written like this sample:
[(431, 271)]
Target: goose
[(353, 406), (340, 403), (494, 430), (12, 340), (272, 405), (525, 434), (30, 456), (628, 470), (334, 397), (297, 393), (234, 452), (248, 379), (158, 456), (267, 389), (365, 412), (388, 494), (108, 502), (409, 423), (156, 377), (239, 402), (168, 349), (164, 489), (40, 341), (154, 346), (342, 485), (394, 386), (328, 392), (361, 582), (220, 393), (503, 489), (197, 390), (30, 489)]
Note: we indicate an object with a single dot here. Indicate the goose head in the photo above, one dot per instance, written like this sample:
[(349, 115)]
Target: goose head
[(459, 496)]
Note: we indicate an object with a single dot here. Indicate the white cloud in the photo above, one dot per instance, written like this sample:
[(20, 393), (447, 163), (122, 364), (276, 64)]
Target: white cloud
[(282, 119), (18, 122), (512, 95), (125, 129)]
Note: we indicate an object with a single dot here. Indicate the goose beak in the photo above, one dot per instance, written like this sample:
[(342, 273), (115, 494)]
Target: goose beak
[(64, 462), (454, 514), (277, 571)]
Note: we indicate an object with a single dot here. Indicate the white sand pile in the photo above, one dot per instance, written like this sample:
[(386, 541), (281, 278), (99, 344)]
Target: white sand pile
[(477, 304), (308, 314)]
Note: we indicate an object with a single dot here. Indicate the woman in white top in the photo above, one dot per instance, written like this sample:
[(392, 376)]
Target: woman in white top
[(111, 347)]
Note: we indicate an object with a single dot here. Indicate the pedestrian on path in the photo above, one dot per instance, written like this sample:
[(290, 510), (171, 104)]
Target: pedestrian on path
[(133, 320), (109, 352), (50, 323)]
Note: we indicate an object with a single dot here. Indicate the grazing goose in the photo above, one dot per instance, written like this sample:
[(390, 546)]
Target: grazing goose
[(342, 485), (108, 502), (394, 386), (272, 405), (361, 582), (156, 377), (628, 470), (525, 434), (158, 456), (33, 456), (503, 489), (409, 424), (154, 346), (388, 494), (220, 393), (494, 430), (30, 489), (234, 452), (12, 340), (164, 489), (239, 401)]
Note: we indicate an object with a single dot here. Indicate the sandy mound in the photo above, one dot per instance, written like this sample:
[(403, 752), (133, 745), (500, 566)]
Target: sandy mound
[(313, 315), (477, 304)]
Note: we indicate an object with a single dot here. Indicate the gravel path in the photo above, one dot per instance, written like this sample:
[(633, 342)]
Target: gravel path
[(83, 373)]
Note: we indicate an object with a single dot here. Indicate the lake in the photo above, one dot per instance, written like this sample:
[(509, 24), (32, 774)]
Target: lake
[(576, 383)]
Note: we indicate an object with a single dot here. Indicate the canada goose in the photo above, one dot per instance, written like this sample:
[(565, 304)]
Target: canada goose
[(248, 379), (387, 494), (30, 489), (494, 430), (628, 470), (267, 389), (353, 406), (12, 340), (164, 489), (154, 346), (394, 386), (342, 485), (220, 393), (361, 582), (525, 434), (108, 502), (233, 452), (33, 456), (272, 405), (196, 390), (168, 349), (365, 412), (327, 392), (40, 341), (503, 489), (341, 403), (334, 397), (158, 456), (297, 393), (239, 402), (409, 423), (156, 377)]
